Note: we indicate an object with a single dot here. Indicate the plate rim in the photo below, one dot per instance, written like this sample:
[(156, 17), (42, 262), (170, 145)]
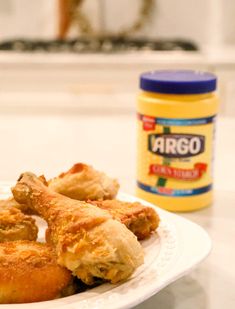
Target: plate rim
[(190, 266)]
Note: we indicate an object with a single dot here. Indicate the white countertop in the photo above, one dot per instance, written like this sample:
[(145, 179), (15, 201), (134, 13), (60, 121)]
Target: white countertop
[(51, 142)]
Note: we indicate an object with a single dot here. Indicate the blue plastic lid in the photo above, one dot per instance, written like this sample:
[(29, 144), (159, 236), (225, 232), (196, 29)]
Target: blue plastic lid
[(178, 82)]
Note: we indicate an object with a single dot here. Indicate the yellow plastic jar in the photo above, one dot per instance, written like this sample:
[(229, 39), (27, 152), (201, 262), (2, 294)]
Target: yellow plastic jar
[(176, 125)]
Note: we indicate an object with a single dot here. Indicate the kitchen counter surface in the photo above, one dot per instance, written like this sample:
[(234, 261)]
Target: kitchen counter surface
[(51, 142), (211, 284)]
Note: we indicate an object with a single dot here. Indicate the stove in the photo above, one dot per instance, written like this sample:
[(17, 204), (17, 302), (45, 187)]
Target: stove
[(97, 45)]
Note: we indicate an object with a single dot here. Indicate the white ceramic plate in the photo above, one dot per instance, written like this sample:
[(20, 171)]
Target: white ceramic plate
[(177, 247)]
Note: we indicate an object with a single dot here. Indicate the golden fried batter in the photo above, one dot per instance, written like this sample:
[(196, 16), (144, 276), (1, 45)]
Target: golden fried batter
[(14, 225), (29, 273), (86, 238), (83, 182), (11, 202), (141, 220)]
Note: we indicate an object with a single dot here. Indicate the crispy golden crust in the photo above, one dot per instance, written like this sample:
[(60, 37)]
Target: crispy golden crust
[(83, 182), (141, 220), (11, 202), (29, 273), (14, 225), (86, 238)]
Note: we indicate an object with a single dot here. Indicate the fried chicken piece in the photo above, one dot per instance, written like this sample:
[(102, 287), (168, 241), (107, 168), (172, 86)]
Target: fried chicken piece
[(86, 238), (83, 182), (141, 220), (11, 202), (29, 273), (14, 225)]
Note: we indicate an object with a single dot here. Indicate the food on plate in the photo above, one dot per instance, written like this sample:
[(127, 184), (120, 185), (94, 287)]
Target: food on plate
[(29, 273), (14, 225), (83, 182), (86, 238), (141, 220), (11, 202)]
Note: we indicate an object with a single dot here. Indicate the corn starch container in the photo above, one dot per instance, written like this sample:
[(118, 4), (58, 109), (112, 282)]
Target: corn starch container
[(176, 124)]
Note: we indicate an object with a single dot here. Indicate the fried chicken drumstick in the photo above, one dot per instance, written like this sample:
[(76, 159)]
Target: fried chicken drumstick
[(141, 220), (86, 238)]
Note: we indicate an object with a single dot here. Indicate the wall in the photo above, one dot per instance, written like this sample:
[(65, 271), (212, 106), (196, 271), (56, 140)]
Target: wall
[(27, 18), (204, 21), (228, 22), (181, 18)]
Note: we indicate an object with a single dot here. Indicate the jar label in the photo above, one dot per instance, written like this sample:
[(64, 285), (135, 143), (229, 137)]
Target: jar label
[(175, 155)]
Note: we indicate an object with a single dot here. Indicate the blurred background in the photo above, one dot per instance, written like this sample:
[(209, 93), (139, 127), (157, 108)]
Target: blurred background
[(69, 74), (56, 48)]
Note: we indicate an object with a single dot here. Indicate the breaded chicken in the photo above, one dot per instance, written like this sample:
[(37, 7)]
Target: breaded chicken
[(11, 202), (83, 182), (29, 273), (141, 220), (86, 238), (14, 225)]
